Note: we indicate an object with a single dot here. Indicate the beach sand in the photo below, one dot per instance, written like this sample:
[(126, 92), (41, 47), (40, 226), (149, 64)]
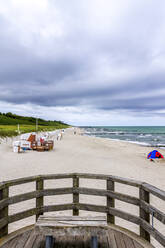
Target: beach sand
[(78, 153)]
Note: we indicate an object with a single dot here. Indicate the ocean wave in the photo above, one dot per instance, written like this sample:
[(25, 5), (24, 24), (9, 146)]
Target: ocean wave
[(155, 138), (139, 143), (133, 142), (124, 132), (160, 145)]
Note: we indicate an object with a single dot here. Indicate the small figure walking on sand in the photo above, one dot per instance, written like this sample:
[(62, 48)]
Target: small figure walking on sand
[(59, 136)]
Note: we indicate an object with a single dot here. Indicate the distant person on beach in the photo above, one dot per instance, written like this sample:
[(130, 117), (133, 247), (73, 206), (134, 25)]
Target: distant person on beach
[(59, 136)]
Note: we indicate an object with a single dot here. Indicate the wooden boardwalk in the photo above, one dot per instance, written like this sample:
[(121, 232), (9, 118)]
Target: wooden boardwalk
[(112, 239)]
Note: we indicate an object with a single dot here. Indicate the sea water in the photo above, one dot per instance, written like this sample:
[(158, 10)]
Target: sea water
[(143, 135)]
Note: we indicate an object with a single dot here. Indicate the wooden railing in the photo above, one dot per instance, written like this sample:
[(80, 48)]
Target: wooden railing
[(143, 201)]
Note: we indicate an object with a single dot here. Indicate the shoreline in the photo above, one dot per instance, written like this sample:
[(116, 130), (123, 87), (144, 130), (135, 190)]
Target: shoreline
[(82, 154), (128, 141), (87, 152), (82, 132), (141, 143)]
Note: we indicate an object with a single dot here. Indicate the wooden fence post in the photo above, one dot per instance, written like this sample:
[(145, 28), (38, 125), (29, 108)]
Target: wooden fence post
[(75, 195), (110, 201), (144, 196), (4, 193), (39, 200)]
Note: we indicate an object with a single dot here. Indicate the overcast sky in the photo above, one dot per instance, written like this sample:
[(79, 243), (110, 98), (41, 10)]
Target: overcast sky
[(85, 62)]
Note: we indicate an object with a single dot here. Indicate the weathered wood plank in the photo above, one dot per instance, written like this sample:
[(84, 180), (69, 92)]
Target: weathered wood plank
[(91, 176), (23, 215), (91, 207), (156, 234), (34, 194), (34, 211), (2, 185), (119, 240), (4, 193), (40, 240), (123, 215), (128, 242), (112, 211), (64, 221), (12, 243), (21, 181), (19, 198), (150, 209), (123, 197), (62, 176), (14, 182), (31, 240), (3, 222), (144, 196), (69, 227), (61, 207), (154, 190), (127, 181), (108, 193), (40, 199), (58, 176), (71, 218), (34, 178), (75, 195), (110, 201), (66, 230), (116, 238), (137, 245), (58, 191), (112, 240), (12, 236), (102, 241), (23, 239)]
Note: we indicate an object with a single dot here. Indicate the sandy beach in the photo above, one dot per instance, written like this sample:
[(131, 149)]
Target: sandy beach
[(78, 153)]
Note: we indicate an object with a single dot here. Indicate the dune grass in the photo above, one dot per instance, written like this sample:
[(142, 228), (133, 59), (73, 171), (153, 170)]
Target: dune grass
[(12, 130), (9, 121)]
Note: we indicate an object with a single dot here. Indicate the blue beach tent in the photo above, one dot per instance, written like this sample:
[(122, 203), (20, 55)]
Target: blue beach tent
[(154, 154)]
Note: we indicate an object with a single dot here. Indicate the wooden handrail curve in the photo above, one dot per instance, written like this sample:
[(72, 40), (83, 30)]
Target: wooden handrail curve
[(143, 202)]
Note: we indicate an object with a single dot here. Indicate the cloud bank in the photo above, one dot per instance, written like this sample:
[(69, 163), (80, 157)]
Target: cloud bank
[(84, 61)]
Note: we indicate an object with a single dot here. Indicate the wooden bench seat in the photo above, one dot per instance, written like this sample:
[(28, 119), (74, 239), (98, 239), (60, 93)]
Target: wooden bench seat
[(67, 225)]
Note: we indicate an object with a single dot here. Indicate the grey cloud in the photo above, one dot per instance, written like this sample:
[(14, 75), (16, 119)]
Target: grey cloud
[(108, 69)]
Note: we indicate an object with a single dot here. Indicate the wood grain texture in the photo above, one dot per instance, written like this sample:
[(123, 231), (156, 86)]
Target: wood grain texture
[(120, 240), (150, 209), (110, 238), (39, 199), (75, 195), (110, 200), (144, 215), (153, 232), (145, 208), (154, 190), (4, 194)]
